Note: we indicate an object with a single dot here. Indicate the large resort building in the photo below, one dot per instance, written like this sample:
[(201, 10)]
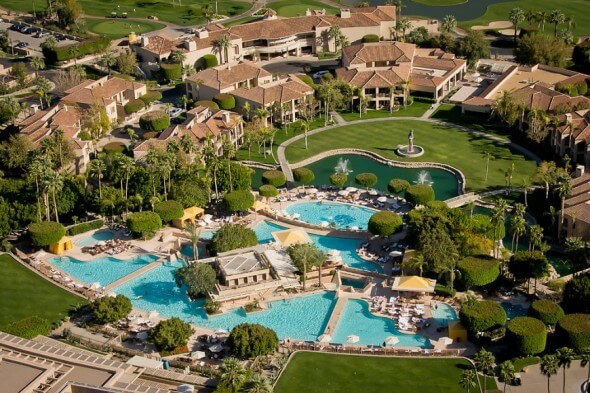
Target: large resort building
[(576, 211)]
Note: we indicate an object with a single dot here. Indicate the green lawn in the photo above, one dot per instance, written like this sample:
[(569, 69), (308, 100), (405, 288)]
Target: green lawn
[(440, 3), (118, 28), (417, 109), (25, 294), (442, 144), (576, 8), (326, 373), (189, 13), (298, 8)]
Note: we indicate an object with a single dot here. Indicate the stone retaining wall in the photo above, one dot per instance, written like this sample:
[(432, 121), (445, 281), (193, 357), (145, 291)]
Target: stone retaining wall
[(259, 165)]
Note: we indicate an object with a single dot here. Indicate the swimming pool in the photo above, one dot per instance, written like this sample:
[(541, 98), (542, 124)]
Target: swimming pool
[(339, 214), (187, 249), (443, 314), (96, 237), (372, 330), (104, 270), (346, 246), (356, 284)]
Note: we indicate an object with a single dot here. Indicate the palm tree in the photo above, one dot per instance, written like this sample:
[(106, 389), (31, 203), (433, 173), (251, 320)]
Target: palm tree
[(222, 46), (305, 125), (229, 151), (526, 184), (127, 166), (37, 63), (194, 232), (549, 367), (507, 373), (516, 16), (246, 108), (403, 24), (53, 183), (471, 207), (233, 374), (74, 51), (97, 168), (509, 174), (132, 134), (36, 169), (212, 163), (258, 384), (565, 356), (185, 101), (497, 220), (556, 17), (418, 262), (517, 225), (448, 24), (399, 5), (488, 156), (585, 357), (262, 114), (570, 20), (542, 17), (484, 363), (177, 57), (108, 60), (563, 189), (468, 379), (535, 237), (546, 173), (452, 270), (334, 33), (188, 146)]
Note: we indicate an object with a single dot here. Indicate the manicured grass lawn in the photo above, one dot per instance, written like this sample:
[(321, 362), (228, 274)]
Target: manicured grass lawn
[(189, 13), (25, 294), (417, 109), (326, 373), (298, 8), (118, 28), (576, 8), (442, 144), (440, 3)]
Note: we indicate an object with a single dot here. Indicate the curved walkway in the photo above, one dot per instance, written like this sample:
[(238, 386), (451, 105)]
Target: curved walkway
[(286, 168)]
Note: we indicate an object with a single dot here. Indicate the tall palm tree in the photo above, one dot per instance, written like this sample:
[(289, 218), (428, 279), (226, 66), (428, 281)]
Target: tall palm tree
[(229, 151), (556, 17), (399, 5), (509, 174), (484, 363), (188, 146), (404, 24), (448, 24), (468, 379), (497, 220), (563, 189), (525, 184), (127, 166), (542, 18), (108, 60), (74, 51), (262, 114), (585, 357), (212, 163), (488, 156), (565, 356), (517, 225), (258, 384), (37, 63), (36, 169), (97, 169), (452, 270), (194, 233), (222, 46), (507, 373), (418, 262), (53, 183), (233, 374), (535, 237), (334, 33), (549, 367), (546, 173), (516, 16), (471, 207)]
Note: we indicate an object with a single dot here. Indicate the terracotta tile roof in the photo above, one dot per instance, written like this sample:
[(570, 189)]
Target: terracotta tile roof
[(574, 79), (383, 51), (161, 45), (374, 78), (578, 204), (43, 123), (539, 96), (101, 90), (224, 76), (291, 88), (478, 101)]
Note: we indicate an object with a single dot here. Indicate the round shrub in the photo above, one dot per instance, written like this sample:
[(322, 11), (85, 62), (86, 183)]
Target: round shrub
[(208, 104), (371, 38), (303, 175), (397, 186), (274, 178), (149, 135), (251, 340), (114, 147), (307, 80), (225, 101), (268, 191), (366, 179), (134, 106), (232, 236), (209, 61), (154, 121), (144, 223), (526, 335), (384, 223), (46, 233), (151, 96), (169, 210), (480, 316), (338, 179), (111, 309), (574, 331), (170, 334), (478, 271), (238, 201), (546, 311), (171, 71), (419, 194)]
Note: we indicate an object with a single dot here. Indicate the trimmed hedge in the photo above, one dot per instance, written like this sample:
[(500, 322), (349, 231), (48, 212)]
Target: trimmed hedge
[(481, 316), (338, 179), (274, 178), (151, 96), (420, 194), (171, 71), (154, 121), (144, 223), (526, 335), (209, 61), (46, 233), (371, 38), (208, 104), (85, 227), (225, 101), (397, 186), (29, 327), (574, 331), (268, 191), (478, 271), (442, 290), (149, 135), (169, 210), (385, 223), (238, 201), (366, 179), (546, 311), (307, 80), (114, 147), (231, 237), (303, 175), (134, 106), (62, 53)]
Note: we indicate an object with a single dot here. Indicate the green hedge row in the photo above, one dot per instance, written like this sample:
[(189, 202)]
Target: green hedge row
[(546, 311), (397, 186), (46, 233), (338, 179), (151, 96), (238, 200), (169, 210), (442, 290), (385, 223), (481, 316), (366, 179), (274, 178), (526, 335), (85, 227), (574, 331), (420, 194), (208, 104), (371, 38), (171, 71), (478, 271), (29, 327), (154, 121), (225, 101), (268, 191), (134, 106), (64, 53)]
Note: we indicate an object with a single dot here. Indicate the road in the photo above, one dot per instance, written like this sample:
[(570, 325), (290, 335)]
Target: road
[(306, 65)]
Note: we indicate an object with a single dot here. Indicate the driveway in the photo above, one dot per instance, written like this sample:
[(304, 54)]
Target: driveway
[(305, 65), (535, 382)]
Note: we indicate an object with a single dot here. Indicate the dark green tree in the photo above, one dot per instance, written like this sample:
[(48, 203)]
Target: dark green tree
[(199, 278), (170, 334)]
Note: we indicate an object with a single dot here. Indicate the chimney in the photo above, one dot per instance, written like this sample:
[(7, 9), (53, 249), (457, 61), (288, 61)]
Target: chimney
[(580, 170), (190, 45), (226, 117), (345, 13), (33, 109), (145, 40), (568, 118), (308, 12), (66, 107), (202, 33)]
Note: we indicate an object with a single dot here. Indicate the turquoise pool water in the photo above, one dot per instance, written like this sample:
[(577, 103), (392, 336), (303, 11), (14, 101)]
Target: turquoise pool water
[(342, 215), (104, 270), (346, 246), (443, 314), (96, 237), (353, 283), (372, 330), (187, 249)]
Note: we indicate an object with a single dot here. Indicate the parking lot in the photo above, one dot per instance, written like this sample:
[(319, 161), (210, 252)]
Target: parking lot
[(34, 43)]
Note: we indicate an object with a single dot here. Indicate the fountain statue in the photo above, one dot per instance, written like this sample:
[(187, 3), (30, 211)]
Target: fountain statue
[(342, 166), (424, 178), (411, 142), (410, 150)]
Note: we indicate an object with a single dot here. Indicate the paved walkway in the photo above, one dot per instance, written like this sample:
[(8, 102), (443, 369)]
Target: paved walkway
[(534, 382), (430, 111), (338, 119)]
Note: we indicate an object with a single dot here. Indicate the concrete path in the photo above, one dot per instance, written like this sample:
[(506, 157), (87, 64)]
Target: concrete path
[(338, 119), (430, 111), (535, 382)]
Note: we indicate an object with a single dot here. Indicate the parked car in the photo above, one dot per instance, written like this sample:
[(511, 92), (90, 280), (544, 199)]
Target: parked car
[(41, 34), (175, 112), (319, 74), (16, 27), (25, 30), (22, 45)]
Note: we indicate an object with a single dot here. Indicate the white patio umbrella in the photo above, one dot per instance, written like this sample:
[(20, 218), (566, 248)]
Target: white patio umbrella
[(334, 252), (382, 199), (391, 341), (373, 192), (216, 348), (351, 189), (324, 224), (476, 75), (312, 190), (101, 243), (221, 331), (445, 341), (343, 192), (353, 338), (95, 285), (395, 253), (325, 338), (296, 215)]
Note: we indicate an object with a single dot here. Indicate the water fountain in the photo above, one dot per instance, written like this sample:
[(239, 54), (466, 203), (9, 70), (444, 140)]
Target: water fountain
[(424, 178), (410, 150), (342, 166)]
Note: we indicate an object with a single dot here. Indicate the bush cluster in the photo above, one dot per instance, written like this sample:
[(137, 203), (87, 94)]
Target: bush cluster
[(478, 271), (149, 135), (232, 236), (252, 340), (151, 96), (546, 311), (208, 104), (574, 331), (85, 227), (209, 61), (225, 101), (307, 80), (268, 191), (420, 194), (29, 327), (397, 186), (154, 121), (170, 334), (63, 53), (576, 294), (338, 179), (371, 38), (46, 233), (134, 106), (238, 201), (303, 175), (384, 223), (114, 147), (526, 335), (171, 71), (274, 178), (111, 309), (442, 290), (481, 316), (169, 210), (366, 179), (144, 223)]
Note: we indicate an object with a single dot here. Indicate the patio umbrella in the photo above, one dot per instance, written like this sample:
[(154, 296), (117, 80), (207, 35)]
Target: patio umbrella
[(220, 331), (101, 243), (324, 224), (333, 252), (325, 338), (312, 191), (95, 285), (153, 314), (382, 199), (216, 348), (373, 192), (391, 341), (296, 215), (476, 74), (445, 341), (343, 192), (395, 254), (353, 338), (351, 189)]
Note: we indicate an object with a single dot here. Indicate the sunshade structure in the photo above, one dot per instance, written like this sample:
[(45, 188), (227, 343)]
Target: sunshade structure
[(353, 338), (190, 214), (413, 284), (64, 244), (390, 341), (291, 236)]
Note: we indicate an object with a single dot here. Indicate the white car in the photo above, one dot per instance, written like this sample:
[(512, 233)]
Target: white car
[(174, 112), (319, 74)]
